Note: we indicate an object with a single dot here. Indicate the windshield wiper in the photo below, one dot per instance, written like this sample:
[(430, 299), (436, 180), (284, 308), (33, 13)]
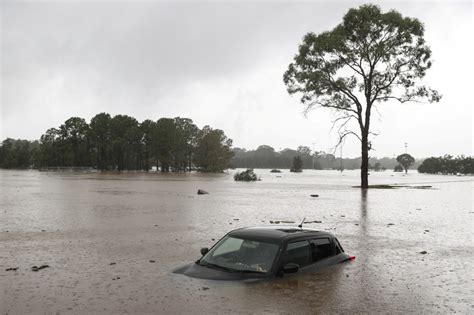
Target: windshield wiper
[(211, 265), (251, 271), (206, 264)]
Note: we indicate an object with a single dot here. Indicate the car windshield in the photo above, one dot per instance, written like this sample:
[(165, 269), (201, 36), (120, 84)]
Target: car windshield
[(239, 255)]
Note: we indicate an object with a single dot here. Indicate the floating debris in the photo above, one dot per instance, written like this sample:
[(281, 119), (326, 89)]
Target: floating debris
[(282, 221), (112, 263), (424, 252), (421, 187), (12, 269), (152, 261), (202, 192), (314, 195), (36, 268), (205, 288)]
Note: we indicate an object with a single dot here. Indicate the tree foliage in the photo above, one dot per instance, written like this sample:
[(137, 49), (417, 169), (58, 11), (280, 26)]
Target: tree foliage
[(266, 157), (18, 153), (370, 58), (447, 164), (122, 143), (213, 150), (406, 160), (297, 164), (398, 168), (246, 176)]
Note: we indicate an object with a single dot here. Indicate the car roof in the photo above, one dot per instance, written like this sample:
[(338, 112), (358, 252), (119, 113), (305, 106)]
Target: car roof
[(275, 234)]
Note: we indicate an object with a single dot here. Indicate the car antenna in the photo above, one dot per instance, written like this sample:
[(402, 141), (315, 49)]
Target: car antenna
[(301, 224)]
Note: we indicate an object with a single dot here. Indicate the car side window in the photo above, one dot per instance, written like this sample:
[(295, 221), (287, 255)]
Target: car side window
[(298, 253), (321, 248)]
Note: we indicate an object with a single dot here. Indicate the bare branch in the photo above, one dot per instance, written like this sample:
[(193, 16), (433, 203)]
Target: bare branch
[(347, 117), (319, 103)]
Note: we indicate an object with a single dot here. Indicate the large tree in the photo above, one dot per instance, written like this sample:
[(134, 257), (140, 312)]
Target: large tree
[(125, 140), (74, 140), (370, 58), (100, 137), (166, 135), (213, 150)]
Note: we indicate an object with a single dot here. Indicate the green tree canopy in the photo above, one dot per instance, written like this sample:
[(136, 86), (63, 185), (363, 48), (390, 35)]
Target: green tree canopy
[(213, 151), (18, 153), (371, 57), (122, 143), (100, 137), (74, 141)]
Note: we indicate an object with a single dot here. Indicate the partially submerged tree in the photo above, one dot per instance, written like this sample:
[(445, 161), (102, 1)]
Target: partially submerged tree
[(398, 168), (213, 151), (371, 57), (406, 160), (297, 166), (246, 176)]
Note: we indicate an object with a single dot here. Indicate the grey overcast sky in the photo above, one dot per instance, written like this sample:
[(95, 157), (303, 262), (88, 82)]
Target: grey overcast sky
[(219, 64)]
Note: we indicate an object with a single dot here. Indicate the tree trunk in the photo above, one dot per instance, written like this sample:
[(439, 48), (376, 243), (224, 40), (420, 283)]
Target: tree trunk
[(147, 166), (364, 168)]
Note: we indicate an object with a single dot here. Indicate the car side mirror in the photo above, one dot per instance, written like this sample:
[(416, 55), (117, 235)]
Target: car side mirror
[(291, 268), (204, 250)]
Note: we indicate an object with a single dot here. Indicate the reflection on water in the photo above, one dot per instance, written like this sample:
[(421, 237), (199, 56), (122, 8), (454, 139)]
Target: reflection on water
[(111, 240)]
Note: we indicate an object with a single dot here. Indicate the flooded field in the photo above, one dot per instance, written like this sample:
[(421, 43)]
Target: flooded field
[(111, 241)]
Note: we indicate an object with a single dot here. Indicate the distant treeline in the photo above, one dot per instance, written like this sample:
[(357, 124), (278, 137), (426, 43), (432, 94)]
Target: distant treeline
[(266, 157), (447, 165), (123, 143)]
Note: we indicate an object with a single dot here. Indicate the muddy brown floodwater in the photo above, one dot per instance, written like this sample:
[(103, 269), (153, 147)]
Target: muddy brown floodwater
[(100, 233)]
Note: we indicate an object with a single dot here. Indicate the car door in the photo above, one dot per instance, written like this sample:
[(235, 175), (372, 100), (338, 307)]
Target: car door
[(311, 254), (298, 252), (323, 253)]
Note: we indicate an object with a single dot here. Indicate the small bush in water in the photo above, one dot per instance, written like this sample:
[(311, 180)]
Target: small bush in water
[(246, 176)]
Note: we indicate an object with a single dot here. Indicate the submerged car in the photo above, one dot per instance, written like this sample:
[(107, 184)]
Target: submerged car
[(266, 252)]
